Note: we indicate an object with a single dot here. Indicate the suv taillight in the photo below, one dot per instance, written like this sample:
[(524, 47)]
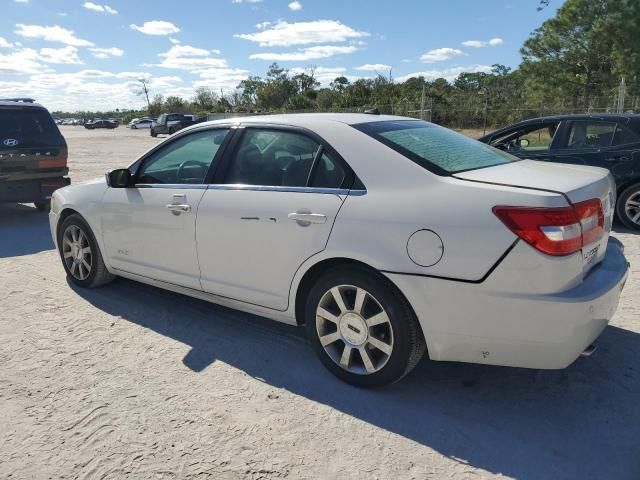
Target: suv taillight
[(52, 163), (558, 230)]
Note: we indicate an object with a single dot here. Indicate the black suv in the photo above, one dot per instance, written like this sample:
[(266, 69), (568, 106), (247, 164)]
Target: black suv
[(606, 140), (33, 154)]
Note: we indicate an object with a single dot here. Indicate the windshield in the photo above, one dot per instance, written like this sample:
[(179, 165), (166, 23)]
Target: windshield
[(435, 148)]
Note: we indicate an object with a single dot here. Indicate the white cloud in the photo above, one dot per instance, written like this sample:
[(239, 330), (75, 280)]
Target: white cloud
[(246, 1), (21, 1), (284, 34), (99, 8), (5, 44), (217, 78), (22, 62), (448, 74), (375, 67), (156, 27), (67, 55), (186, 57), (309, 53), (262, 25), (175, 41), (106, 52), (52, 34), (481, 43), (295, 5), (440, 54)]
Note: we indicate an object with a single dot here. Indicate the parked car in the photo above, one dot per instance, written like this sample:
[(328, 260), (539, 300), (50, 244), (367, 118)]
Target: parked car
[(141, 123), (384, 235), (33, 154), (170, 123), (100, 124), (608, 141)]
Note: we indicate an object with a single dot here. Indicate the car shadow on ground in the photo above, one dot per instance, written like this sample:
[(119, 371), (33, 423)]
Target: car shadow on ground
[(581, 422), (23, 231)]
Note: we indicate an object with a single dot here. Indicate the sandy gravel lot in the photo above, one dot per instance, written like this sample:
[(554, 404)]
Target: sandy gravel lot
[(129, 381)]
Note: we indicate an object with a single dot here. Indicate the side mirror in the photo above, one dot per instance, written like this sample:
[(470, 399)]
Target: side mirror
[(523, 142), (118, 178)]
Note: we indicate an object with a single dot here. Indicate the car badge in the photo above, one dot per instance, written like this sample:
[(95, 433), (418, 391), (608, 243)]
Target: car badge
[(11, 142)]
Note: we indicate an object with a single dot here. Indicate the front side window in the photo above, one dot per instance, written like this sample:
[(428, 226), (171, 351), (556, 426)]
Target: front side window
[(283, 159), (435, 148), (591, 134), (186, 160)]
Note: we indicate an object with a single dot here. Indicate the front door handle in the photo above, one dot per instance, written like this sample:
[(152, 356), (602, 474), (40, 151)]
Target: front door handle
[(177, 208), (305, 219)]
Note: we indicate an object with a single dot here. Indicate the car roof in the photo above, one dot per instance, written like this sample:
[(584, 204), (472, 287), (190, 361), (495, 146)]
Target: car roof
[(582, 116), (307, 120), (15, 103)]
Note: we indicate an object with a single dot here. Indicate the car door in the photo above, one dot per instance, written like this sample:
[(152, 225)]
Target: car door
[(149, 228), (271, 207), (598, 143)]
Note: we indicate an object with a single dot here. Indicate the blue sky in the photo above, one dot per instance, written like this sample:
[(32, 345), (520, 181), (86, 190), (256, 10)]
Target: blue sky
[(72, 54)]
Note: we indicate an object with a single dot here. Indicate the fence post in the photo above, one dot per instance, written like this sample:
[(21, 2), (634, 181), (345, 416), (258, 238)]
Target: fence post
[(484, 123)]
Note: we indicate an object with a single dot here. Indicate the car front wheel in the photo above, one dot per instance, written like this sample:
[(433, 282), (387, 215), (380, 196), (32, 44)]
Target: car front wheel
[(80, 254), (362, 328), (628, 207)]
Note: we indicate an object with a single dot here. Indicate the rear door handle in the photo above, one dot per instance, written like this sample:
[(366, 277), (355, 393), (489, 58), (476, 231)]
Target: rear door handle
[(177, 209), (305, 219)]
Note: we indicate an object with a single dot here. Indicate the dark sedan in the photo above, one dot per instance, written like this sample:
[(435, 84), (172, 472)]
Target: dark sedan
[(100, 124), (608, 141)]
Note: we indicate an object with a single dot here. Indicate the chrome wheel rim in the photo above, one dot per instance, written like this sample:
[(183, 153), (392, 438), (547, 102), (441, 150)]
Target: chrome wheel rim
[(632, 208), (354, 329), (76, 252)]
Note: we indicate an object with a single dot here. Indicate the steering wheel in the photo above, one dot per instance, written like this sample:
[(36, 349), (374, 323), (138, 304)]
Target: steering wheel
[(184, 165)]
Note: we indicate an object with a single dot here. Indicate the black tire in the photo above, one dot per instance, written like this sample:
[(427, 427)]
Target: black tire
[(408, 345), (98, 274), (621, 212), (153, 133), (133, 127), (43, 205)]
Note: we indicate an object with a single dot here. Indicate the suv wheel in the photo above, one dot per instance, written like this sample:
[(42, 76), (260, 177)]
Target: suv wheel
[(153, 133), (80, 254), (362, 329), (628, 207)]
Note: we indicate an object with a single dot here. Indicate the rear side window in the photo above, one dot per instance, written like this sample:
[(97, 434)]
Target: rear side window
[(435, 148), (283, 159), (624, 135), (591, 134), (29, 127)]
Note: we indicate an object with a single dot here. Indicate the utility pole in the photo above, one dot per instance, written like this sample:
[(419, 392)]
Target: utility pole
[(422, 103), (621, 94)]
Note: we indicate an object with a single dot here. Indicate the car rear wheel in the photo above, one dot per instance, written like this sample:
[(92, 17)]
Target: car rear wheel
[(80, 254), (133, 127), (362, 329), (628, 207), (153, 133)]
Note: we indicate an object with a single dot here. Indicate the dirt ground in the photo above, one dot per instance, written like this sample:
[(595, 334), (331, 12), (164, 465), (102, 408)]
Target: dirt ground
[(129, 381)]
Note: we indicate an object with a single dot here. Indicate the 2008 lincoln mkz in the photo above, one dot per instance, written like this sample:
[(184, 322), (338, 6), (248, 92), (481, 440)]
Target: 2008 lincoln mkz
[(385, 236)]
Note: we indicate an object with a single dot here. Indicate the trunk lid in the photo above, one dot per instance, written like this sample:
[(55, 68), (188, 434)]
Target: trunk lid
[(576, 183)]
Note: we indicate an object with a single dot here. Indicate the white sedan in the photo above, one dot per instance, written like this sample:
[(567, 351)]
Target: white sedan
[(385, 236)]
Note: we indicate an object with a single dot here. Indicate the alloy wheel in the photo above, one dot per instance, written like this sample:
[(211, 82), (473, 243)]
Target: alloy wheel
[(76, 252), (632, 208), (354, 329)]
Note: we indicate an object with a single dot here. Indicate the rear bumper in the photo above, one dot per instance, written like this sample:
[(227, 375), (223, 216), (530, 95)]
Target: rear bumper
[(476, 323), (31, 190)]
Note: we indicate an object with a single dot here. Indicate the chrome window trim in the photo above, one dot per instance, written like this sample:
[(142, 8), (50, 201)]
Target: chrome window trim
[(179, 186), (256, 188), (274, 188)]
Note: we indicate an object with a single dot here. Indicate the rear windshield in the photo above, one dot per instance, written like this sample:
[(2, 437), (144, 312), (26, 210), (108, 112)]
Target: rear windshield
[(28, 127), (435, 148)]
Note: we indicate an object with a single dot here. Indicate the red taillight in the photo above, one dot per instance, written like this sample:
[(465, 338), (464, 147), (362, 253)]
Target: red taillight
[(52, 163), (555, 231)]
